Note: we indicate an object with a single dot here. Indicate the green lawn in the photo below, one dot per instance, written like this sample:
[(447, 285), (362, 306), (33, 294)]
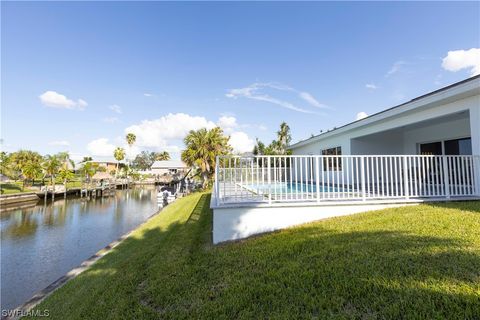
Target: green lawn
[(406, 263), (13, 187)]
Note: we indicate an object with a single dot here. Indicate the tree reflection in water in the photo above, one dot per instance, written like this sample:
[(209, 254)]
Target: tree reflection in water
[(42, 242)]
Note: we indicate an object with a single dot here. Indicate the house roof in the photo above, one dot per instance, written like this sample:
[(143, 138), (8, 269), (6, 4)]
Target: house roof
[(169, 164), (102, 175), (470, 83), (103, 161)]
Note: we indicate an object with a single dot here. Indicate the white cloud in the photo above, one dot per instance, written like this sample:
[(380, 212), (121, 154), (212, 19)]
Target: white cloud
[(262, 127), (63, 143), (148, 94), (110, 119), (227, 123), (115, 108), (395, 68), (255, 91), (371, 86), (101, 147), (361, 115), (463, 59), (240, 142), (81, 104), (56, 100), (167, 132), (311, 100), (159, 132)]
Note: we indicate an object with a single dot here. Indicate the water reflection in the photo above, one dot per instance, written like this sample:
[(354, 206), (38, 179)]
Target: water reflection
[(41, 243)]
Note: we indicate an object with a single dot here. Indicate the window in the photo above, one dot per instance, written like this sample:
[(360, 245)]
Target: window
[(434, 148), (449, 147), (459, 147), (332, 163)]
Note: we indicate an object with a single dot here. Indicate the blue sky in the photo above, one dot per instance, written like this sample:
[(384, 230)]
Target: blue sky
[(78, 76)]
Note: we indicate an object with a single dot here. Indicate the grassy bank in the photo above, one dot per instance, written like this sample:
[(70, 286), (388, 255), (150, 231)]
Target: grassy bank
[(13, 187), (411, 263)]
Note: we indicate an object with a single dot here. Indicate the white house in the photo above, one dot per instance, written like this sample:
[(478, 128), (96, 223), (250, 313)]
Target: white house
[(443, 122), (171, 167), (427, 149)]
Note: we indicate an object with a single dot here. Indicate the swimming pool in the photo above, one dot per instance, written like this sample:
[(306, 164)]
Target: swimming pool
[(292, 188)]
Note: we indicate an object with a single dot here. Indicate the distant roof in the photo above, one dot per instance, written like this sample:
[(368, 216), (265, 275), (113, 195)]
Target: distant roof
[(102, 176), (375, 115), (103, 161), (169, 164)]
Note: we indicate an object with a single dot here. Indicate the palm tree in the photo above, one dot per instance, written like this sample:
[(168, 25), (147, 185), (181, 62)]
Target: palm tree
[(164, 155), (5, 164), (202, 147), (67, 165), (259, 148), (131, 138), (283, 137), (66, 175), (64, 157), (88, 170), (18, 160), (31, 170), (119, 155), (51, 165)]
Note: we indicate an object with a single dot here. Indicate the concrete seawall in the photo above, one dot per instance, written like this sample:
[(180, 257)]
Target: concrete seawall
[(7, 200)]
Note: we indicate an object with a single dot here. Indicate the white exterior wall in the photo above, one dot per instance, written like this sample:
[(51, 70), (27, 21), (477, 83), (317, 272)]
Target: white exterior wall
[(378, 135), (239, 223), (385, 143), (475, 131), (444, 131), (316, 148), (390, 143)]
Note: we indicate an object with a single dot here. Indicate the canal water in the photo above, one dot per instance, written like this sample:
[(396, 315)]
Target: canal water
[(41, 243)]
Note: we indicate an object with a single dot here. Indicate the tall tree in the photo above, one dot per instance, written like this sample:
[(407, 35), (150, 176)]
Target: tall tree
[(66, 174), (144, 160), (88, 170), (18, 161), (164, 155), (259, 148), (5, 164), (130, 138), (51, 166), (65, 160), (202, 147), (278, 146), (31, 170), (119, 155), (283, 138), (66, 169)]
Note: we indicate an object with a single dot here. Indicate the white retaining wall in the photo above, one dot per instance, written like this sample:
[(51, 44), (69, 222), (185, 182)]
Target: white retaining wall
[(241, 222)]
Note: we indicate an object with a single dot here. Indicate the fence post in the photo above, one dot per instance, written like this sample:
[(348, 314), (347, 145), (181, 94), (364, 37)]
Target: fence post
[(446, 178), (362, 177), (317, 178), (217, 184), (405, 178), (476, 175), (269, 178)]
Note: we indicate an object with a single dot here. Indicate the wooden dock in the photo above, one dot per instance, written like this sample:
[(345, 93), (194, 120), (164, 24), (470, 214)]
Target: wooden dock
[(93, 191)]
